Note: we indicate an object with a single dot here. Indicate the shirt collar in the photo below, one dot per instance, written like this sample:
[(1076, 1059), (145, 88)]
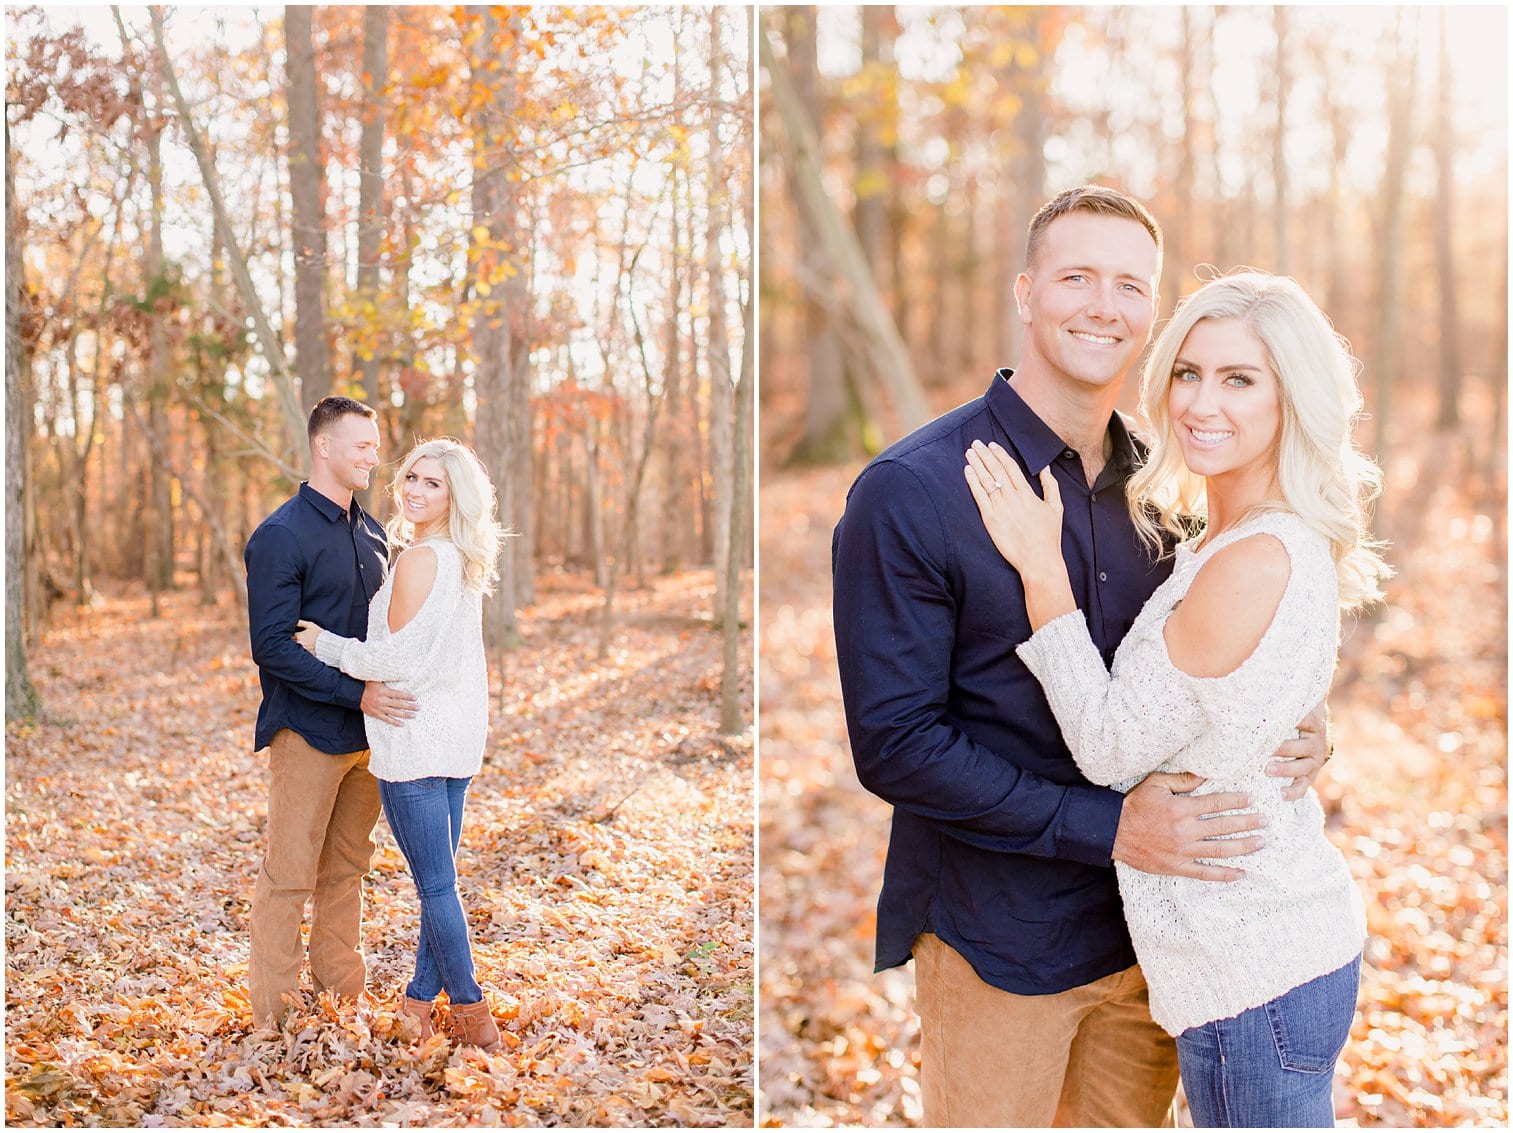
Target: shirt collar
[(1038, 444), (327, 506)]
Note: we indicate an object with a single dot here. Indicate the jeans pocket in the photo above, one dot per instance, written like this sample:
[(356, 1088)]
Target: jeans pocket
[(414, 788), (1311, 1024)]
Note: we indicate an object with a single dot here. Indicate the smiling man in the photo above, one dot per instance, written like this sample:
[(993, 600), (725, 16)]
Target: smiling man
[(999, 879), (319, 557)]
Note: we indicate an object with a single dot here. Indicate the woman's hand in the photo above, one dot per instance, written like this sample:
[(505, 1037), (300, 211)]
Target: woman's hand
[(1025, 529), (308, 632)]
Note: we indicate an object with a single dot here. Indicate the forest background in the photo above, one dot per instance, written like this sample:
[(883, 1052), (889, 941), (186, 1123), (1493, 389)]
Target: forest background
[(530, 228), (1361, 150)]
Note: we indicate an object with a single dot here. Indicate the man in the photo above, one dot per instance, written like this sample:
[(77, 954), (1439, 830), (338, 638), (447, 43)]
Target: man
[(999, 877), (318, 557)]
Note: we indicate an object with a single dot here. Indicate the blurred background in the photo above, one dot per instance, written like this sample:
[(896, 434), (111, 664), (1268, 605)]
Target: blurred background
[(1362, 150)]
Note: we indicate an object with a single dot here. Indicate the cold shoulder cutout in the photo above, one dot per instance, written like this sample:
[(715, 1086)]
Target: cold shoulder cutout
[(414, 579), (1230, 605)]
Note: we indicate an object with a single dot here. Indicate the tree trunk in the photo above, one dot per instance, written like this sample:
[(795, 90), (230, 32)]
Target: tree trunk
[(731, 670), (370, 217), (1497, 440), (1336, 233), (494, 256), (874, 325), (76, 469), (717, 347), (674, 452), (1223, 209), (1400, 77), (312, 360), (522, 474), (833, 422), (871, 183), (965, 355), (1177, 259), (595, 503), (402, 360), (158, 538), (213, 492), (1280, 203), (1444, 241), (937, 365), (21, 700), (1026, 172)]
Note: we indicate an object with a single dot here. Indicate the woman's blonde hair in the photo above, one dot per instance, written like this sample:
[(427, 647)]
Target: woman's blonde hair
[(472, 525), (1324, 478)]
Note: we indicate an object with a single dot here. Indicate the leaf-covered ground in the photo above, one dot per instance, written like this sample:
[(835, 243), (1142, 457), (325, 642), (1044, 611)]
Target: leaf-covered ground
[(1418, 802), (606, 866)]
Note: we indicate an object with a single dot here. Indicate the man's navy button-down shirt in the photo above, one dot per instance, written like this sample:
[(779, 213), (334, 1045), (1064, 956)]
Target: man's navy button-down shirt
[(999, 845), (311, 559)]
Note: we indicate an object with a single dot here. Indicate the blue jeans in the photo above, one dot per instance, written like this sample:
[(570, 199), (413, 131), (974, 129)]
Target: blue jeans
[(1272, 1066), (426, 818)]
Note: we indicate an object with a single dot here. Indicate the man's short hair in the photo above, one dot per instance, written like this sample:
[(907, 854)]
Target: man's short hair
[(328, 410), (1087, 198)]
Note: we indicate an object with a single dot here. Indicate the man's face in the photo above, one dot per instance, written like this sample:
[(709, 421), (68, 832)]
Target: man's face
[(1090, 298), (349, 447)]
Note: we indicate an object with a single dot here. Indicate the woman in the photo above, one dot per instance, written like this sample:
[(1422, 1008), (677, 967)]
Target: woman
[(425, 636), (1251, 396)]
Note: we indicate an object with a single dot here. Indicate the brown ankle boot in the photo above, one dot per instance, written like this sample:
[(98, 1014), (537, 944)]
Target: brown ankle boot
[(419, 1010), (473, 1024)]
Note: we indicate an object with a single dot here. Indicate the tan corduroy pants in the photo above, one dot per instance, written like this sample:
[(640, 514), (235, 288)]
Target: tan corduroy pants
[(1087, 1057), (321, 813)]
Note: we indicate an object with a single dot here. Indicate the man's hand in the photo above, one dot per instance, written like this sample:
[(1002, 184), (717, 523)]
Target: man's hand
[(1302, 759), (387, 704), (1162, 829)]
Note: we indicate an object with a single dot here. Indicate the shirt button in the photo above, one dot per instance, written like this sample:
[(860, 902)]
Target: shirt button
[(1102, 576), (1069, 455)]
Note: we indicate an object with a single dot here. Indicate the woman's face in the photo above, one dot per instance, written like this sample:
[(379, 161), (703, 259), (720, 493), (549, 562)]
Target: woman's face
[(1226, 403), (424, 494)]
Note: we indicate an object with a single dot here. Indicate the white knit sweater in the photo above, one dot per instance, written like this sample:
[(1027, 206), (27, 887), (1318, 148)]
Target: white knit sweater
[(438, 656), (1209, 949)]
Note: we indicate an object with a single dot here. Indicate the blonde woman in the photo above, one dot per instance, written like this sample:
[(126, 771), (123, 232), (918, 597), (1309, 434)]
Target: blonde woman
[(1251, 397), (425, 636)]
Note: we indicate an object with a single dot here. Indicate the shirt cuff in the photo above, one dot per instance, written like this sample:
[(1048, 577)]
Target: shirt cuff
[(1061, 654), (329, 647), (1089, 821)]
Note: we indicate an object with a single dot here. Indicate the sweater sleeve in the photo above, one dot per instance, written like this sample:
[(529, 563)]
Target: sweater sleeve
[(1118, 727), (398, 656)]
